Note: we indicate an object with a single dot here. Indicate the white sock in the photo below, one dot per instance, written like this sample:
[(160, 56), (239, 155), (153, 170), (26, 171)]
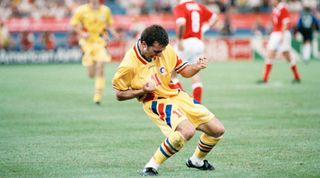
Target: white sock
[(196, 160), (152, 164), (306, 51)]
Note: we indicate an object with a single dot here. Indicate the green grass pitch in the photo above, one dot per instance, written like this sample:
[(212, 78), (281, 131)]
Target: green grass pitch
[(49, 126)]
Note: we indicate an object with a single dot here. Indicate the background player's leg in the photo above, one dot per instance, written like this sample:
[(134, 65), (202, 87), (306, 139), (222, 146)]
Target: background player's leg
[(197, 88), (268, 65), (294, 67), (91, 69), (99, 82)]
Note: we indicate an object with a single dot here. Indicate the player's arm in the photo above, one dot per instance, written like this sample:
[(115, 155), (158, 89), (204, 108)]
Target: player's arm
[(285, 22), (181, 27), (134, 93), (212, 21), (193, 69), (79, 29)]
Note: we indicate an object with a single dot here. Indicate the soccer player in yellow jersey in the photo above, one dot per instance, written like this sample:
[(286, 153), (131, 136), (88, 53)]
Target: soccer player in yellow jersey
[(91, 21), (145, 74)]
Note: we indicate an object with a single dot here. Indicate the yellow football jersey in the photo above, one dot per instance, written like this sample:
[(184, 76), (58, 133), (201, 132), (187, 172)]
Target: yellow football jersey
[(93, 21), (135, 71)]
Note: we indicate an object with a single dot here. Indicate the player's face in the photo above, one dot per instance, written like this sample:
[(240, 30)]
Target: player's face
[(154, 50)]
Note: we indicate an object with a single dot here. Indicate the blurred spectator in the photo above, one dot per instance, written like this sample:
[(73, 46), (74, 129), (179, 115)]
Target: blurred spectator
[(136, 28), (227, 28), (259, 30), (162, 6), (73, 39), (48, 40), (26, 40), (294, 5), (5, 39)]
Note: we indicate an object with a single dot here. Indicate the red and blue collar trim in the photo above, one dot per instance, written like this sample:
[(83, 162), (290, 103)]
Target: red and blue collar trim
[(137, 51)]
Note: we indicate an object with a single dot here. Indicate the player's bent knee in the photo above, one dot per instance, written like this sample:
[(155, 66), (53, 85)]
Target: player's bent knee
[(187, 133), (186, 129)]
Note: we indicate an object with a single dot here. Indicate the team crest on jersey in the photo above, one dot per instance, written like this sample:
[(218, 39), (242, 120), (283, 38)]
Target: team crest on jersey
[(163, 71)]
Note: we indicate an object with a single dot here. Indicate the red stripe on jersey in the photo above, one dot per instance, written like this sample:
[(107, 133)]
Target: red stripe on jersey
[(138, 56), (161, 111), (158, 80)]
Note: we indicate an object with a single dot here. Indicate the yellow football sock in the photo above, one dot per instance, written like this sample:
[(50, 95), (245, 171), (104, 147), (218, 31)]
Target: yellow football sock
[(205, 145), (99, 87), (169, 147)]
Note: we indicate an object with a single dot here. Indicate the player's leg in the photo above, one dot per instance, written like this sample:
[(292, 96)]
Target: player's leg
[(171, 145), (212, 133), (99, 82), (91, 70), (175, 125), (197, 88), (272, 46), (268, 65), (285, 49), (306, 50), (196, 50), (293, 64)]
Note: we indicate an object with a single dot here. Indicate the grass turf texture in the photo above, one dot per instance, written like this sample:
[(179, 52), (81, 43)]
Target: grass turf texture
[(49, 126)]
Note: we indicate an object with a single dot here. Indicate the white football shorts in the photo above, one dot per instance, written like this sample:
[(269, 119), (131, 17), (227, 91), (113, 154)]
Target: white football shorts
[(275, 42), (193, 49)]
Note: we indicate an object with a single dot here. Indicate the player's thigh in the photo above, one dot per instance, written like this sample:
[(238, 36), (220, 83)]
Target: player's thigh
[(91, 70), (274, 41), (100, 68), (165, 114), (194, 48), (286, 43), (213, 128), (196, 113)]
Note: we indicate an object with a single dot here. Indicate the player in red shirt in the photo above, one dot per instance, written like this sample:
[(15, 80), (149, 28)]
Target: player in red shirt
[(192, 20), (280, 40)]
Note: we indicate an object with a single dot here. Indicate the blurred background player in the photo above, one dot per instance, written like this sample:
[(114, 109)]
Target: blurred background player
[(280, 40), (306, 25), (48, 40), (192, 19), (5, 38), (91, 21)]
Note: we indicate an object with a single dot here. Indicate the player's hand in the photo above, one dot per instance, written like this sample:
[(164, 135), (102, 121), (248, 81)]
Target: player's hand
[(149, 87), (202, 63), (180, 45)]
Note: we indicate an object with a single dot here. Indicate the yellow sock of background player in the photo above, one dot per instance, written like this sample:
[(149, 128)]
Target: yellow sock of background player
[(99, 87), (168, 147), (205, 145)]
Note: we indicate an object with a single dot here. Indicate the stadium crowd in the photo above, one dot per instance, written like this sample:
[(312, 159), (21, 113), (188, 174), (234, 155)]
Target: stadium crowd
[(64, 8)]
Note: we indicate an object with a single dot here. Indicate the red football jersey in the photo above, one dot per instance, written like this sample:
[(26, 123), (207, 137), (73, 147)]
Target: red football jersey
[(195, 16), (280, 15)]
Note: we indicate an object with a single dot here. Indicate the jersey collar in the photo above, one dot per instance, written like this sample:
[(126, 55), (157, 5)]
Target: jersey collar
[(139, 55)]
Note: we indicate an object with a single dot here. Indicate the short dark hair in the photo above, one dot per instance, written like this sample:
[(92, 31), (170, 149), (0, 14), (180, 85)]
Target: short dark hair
[(155, 33)]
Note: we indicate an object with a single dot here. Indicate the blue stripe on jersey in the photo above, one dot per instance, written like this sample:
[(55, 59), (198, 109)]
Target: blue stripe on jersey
[(195, 101), (171, 145), (154, 107), (163, 152), (168, 113)]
